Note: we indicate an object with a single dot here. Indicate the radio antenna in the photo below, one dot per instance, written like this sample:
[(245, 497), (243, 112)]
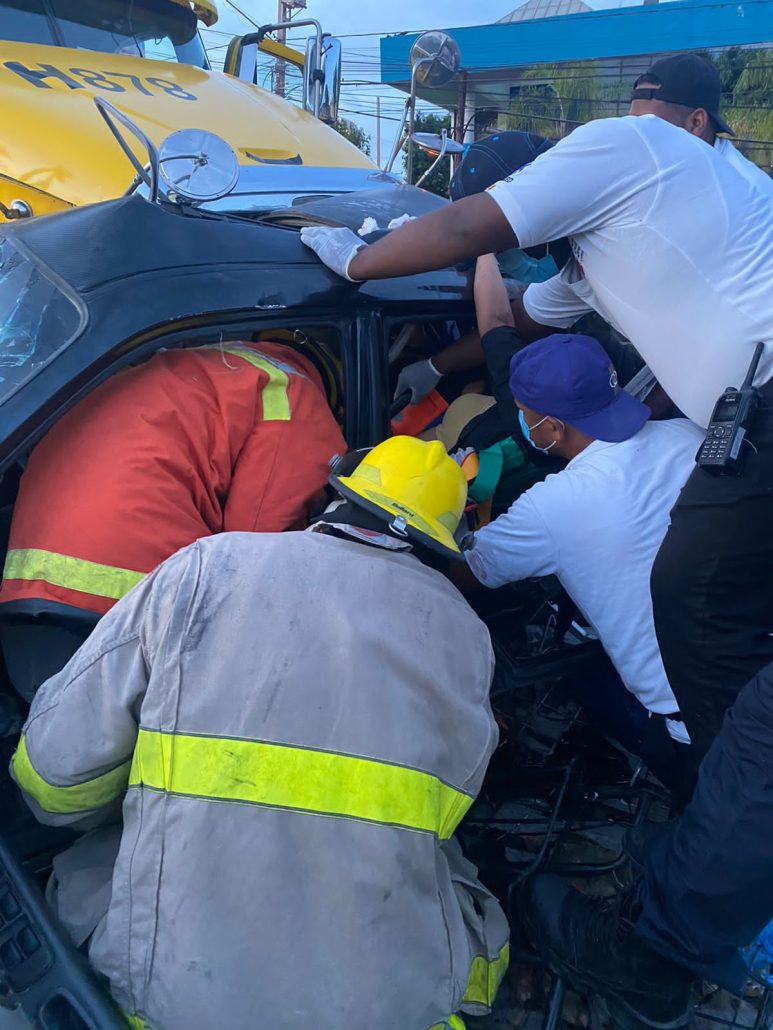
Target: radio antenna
[(753, 367)]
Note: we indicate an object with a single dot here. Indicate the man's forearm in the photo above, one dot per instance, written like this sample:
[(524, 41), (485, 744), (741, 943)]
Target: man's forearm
[(458, 231), (463, 578), (492, 304), (526, 327), (463, 354)]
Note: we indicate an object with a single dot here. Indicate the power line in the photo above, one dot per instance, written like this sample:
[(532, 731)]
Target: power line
[(369, 114), (242, 13)]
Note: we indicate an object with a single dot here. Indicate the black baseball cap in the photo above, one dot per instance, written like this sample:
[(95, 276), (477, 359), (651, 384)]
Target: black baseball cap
[(493, 158), (686, 79)]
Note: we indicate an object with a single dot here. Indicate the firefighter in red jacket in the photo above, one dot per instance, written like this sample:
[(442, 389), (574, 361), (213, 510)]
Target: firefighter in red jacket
[(190, 443)]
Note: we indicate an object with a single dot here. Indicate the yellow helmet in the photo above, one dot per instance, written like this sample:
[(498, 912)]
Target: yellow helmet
[(415, 482)]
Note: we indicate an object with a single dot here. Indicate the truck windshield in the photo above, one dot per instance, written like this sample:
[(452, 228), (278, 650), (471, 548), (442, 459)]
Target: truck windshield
[(163, 30)]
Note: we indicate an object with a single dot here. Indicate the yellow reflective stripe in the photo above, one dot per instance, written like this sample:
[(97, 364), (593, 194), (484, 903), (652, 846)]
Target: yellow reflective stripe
[(82, 797), (276, 403), (453, 1023), (135, 1022), (300, 779), (485, 978), (62, 570)]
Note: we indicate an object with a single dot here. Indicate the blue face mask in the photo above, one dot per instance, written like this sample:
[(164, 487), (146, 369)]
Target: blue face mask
[(524, 269), (527, 432)]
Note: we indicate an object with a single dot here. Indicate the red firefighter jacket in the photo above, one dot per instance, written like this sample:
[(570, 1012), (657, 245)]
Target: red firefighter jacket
[(191, 443)]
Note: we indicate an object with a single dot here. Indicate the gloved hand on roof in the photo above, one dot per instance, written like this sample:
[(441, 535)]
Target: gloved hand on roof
[(334, 247)]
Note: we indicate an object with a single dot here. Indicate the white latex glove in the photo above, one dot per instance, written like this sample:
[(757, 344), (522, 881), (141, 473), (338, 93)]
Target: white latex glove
[(419, 378), (334, 247), (397, 222), (461, 454)]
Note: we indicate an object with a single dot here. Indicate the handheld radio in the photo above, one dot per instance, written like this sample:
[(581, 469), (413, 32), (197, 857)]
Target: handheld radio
[(721, 452)]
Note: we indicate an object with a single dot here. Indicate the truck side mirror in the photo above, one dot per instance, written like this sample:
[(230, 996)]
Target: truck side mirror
[(322, 77), (241, 59), (331, 79), (321, 65), (435, 60)]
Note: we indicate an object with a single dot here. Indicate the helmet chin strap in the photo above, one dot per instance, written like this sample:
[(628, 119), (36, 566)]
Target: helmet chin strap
[(342, 512), (333, 506)]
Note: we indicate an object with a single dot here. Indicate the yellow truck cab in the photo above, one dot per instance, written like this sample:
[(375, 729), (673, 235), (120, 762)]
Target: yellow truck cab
[(147, 58)]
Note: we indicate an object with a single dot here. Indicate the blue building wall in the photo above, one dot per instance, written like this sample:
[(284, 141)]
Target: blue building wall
[(682, 25)]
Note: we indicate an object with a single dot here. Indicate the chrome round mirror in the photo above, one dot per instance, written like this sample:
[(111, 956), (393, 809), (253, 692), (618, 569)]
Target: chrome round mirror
[(439, 56), (197, 165), (432, 143)]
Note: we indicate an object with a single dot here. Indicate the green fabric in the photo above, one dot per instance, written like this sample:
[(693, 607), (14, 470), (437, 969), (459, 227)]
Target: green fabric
[(496, 461), (517, 481)]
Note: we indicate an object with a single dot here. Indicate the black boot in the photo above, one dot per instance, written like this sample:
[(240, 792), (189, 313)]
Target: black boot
[(591, 942), (640, 839)]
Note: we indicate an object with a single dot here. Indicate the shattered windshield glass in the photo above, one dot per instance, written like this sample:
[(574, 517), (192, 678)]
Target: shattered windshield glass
[(36, 319)]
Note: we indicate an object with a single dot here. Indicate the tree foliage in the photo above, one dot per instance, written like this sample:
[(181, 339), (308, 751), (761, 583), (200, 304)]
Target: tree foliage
[(354, 133), (730, 64), (438, 181), (551, 99), (750, 111), (746, 75)]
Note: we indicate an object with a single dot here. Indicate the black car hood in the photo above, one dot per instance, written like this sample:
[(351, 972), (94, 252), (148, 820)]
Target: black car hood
[(92, 246), (136, 270)]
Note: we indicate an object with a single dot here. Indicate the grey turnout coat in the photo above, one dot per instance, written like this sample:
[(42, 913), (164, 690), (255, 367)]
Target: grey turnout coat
[(291, 726)]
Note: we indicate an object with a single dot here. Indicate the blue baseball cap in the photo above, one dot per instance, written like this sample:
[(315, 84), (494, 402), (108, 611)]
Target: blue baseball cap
[(572, 378)]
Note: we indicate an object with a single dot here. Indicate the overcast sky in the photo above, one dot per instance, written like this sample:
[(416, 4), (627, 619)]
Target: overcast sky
[(347, 18)]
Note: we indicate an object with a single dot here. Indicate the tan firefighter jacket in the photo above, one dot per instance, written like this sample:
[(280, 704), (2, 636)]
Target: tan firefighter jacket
[(294, 724)]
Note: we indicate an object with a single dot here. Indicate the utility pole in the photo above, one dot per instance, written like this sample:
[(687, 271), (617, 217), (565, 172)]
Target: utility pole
[(284, 13), (461, 104), (281, 35), (378, 130)]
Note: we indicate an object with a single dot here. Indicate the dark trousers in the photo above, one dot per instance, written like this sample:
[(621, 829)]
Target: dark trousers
[(708, 885), (712, 585), (614, 711), (36, 650)]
